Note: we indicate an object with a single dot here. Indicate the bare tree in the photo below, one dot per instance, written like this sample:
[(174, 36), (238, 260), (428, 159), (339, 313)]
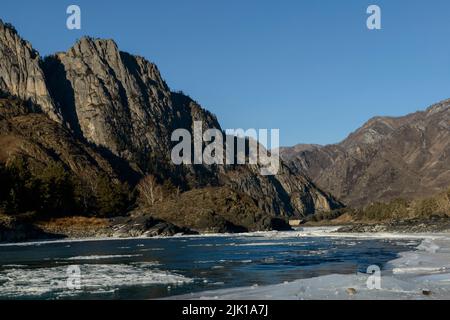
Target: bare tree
[(149, 190)]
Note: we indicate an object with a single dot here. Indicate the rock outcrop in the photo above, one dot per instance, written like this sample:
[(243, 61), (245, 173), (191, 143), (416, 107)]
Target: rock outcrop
[(144, 225), (387, 158), (217, 210), (118, 101), (288, 193), (21, 73)]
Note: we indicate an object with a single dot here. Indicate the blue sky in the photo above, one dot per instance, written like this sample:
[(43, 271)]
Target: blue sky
[(308, 67)]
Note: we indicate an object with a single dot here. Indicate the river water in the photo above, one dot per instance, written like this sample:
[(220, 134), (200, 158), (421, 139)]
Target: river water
[(164, 267)]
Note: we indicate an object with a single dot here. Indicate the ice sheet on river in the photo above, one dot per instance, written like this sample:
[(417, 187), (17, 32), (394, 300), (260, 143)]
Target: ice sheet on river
[(420, 274)]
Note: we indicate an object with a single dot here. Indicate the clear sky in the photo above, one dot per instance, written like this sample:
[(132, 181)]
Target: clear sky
[(308, 67)]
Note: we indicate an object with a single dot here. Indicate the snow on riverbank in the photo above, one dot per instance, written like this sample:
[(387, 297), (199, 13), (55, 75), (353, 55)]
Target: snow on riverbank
[(420, 274), (300, 232)]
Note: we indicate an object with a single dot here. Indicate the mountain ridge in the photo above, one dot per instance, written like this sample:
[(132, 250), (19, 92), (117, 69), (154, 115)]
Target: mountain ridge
[(386, 158)]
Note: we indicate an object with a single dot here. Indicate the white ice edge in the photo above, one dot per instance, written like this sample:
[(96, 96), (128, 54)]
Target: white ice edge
[(406, 277), (102, 257), (300, 232), (420, 274)]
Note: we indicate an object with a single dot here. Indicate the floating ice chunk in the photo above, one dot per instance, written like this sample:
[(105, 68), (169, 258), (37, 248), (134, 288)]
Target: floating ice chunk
[(429, 246), (100, 257), (37, 282)]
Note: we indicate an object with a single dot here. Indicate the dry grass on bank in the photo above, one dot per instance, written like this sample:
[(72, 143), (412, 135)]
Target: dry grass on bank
[(75, 226)]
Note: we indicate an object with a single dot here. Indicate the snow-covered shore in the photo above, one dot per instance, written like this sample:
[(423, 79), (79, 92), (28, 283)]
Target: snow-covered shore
[(420, 274)]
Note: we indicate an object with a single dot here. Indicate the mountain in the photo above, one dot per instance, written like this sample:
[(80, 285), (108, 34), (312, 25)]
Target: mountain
[(21, 72), (103, 119), (387, 158), (118, 101)]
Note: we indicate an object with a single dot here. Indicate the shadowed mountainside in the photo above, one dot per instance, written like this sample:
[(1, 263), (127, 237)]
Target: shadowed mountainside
[(387, 158)]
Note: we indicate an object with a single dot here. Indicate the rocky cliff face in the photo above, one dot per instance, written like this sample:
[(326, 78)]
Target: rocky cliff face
[(387, 158), (289, 193), (116, 100), (21, 73), (117, 108)]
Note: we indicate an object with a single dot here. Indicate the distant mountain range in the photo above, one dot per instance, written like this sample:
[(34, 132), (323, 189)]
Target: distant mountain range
[(387, 158), (98, 114)]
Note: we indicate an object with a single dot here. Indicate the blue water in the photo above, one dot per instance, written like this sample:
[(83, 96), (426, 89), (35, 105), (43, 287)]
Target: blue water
[(156, 268)]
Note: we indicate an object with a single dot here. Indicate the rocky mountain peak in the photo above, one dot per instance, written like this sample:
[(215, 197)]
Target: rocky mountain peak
[(9, 33), (371, 132), (98, 43), (106, 53), (21, 73), (117, 100), (443, 106)]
